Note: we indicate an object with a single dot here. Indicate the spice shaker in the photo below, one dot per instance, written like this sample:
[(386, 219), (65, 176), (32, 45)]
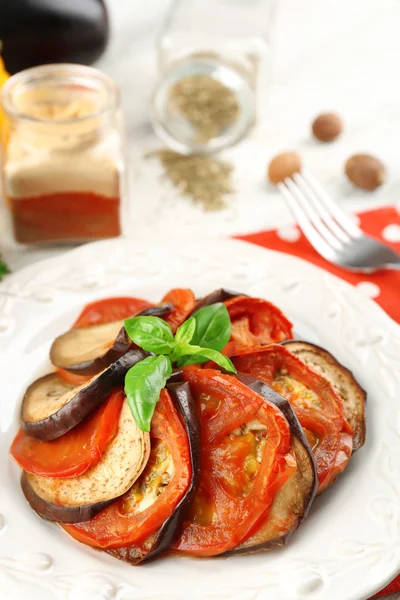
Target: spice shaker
[(214, 59), (63, 155)]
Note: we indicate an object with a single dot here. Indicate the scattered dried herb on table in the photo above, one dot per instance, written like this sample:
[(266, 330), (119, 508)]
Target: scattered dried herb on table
[(204, 178), (207, 104)]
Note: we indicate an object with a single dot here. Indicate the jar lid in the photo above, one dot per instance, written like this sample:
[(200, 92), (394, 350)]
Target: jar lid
[(202, 106)]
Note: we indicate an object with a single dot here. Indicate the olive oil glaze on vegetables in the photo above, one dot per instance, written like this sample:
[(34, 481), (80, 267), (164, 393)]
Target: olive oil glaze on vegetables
[(208, 429)]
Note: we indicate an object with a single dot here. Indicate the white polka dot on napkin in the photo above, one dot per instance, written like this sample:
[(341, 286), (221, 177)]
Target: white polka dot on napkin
[(391, 233), (291, 233), (369, 289)]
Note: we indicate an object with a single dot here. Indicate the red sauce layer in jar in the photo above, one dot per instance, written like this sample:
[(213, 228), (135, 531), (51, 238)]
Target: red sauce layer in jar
[(68, 216)]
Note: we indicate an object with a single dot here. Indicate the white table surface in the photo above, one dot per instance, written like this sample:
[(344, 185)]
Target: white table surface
[(335, 55), (340, 55)]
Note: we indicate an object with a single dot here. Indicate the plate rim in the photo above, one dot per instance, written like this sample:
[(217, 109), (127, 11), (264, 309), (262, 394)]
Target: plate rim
[(13, 277)]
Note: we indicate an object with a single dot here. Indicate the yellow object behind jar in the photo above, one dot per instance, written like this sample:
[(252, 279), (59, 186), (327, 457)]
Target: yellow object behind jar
[(3, 78)]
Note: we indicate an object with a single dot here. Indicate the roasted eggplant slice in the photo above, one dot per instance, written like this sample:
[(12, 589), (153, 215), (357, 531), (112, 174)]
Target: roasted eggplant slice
[(143, 519), (42, 398), (219, 295), (352, 394), (69, 500), (292, 502), (53, 512), (317, 405), (161, 541), (51, 407), (89, 350)]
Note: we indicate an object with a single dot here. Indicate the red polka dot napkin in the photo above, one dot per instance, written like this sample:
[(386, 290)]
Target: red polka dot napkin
[(383, 287)]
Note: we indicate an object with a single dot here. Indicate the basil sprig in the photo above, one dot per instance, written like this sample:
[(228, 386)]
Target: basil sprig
[(150, 333), (188, 354), (143, 384), (198, 339), (213, 330)]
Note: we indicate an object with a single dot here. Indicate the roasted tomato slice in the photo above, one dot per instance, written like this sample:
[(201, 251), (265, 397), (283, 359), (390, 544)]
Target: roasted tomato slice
[(184, 302), (140, 512), (315, 402), (73, 378), (110, 309), (294, 498), (255, 322), (245, 443), (77, 450)]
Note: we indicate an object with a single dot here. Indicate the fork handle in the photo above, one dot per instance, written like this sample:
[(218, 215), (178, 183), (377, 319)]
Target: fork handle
[(395, 266)]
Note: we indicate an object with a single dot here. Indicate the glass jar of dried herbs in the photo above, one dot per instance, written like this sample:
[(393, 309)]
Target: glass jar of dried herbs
[(214, 70)]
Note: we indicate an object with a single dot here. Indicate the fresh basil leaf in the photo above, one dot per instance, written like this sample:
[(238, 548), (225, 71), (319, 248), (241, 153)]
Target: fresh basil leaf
[(185, 332), (213, 327), (150, 333), (188, 354), (194, 359), (143, 384)]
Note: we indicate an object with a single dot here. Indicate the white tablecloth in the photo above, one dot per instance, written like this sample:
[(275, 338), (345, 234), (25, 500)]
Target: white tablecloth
[(336, 55)]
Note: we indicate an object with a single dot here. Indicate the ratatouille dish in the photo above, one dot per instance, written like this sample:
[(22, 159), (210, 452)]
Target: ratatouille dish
[(194, 426)]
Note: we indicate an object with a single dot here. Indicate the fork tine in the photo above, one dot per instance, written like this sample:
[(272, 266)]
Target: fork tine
[(322, 211), (339, 215), (312, 215), (309, 231)]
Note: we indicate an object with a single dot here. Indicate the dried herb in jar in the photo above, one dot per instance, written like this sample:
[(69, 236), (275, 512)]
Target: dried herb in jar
[(206, 103), (204, 178)]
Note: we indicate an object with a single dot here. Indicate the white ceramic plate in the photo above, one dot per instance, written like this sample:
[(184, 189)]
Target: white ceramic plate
[(350, 545)]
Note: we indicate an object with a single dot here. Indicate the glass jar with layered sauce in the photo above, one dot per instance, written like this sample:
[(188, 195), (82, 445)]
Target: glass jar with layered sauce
[(62, 150)]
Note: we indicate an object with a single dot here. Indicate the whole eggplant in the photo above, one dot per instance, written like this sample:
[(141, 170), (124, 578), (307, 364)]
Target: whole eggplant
[(35, 32)]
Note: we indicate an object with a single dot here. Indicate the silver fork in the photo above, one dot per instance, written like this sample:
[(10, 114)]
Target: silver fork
[(332, 233)]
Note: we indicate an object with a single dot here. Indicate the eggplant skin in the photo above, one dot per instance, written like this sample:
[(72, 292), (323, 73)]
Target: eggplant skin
[(296, 429), (92, 367), (157, 311), (353, 395), (305, 481), (62, 514), (219, 295), (86, 399), (160, 542), (119, 348), (263, 539)]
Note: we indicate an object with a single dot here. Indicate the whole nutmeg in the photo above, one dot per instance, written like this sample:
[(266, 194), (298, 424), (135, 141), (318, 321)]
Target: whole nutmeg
[(284, 165), (327, 127), (365, 171)]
